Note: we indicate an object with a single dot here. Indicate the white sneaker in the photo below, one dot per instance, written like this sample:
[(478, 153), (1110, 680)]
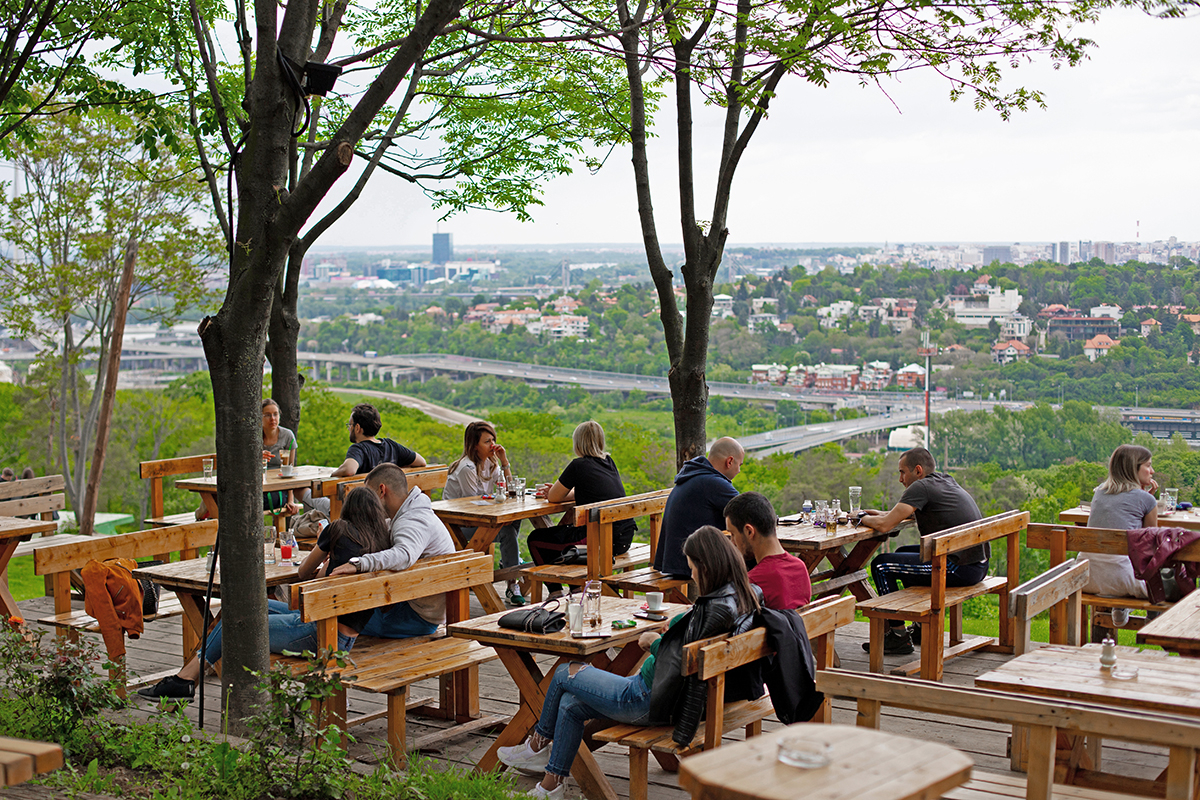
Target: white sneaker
[(1120, 617), (522, 757), (556, 793)]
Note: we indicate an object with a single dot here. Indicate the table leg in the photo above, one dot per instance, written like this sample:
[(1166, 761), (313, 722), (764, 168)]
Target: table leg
[(481, 542), (7, 548), (210, 503), (193, 622), (532, 685), (856, 559)]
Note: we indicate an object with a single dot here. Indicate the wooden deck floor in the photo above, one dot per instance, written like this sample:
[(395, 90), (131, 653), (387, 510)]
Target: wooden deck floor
[(160, 648)]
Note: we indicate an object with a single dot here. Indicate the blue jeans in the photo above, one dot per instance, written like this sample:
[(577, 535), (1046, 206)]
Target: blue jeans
[(591, 693), (397, 621), (284, 630), (905, 566)]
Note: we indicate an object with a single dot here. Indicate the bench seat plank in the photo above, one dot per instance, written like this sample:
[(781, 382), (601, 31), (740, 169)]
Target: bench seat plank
[(78, 619), (171, 519), (576, 574), (916, 601), (995, 786)]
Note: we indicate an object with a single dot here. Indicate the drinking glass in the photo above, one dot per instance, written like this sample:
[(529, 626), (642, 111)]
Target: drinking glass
[(519, 485), (804, 753), (822, 513), (591, 604), (208, 467), (1171, 498), (285, 463), (269, 545), (855, 500)]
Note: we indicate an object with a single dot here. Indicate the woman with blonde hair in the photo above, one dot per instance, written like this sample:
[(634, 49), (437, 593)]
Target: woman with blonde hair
[(1123, 502), (590, 478), (475, 473)]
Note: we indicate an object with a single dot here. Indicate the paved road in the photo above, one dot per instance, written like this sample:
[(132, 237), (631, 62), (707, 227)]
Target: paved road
[(440, 413)]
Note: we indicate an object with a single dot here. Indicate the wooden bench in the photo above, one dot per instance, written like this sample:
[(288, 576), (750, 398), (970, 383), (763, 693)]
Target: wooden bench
[(929, 606), (21, 759), (1061, 585), (155, 471), (598, 519), (390, 666), (1061, 539), (711, 660), (426, 478), (39, 497), (58, 560), (1044, 719)]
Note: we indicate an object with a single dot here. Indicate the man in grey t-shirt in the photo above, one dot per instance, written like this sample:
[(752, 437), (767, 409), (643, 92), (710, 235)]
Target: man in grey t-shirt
[(938, 503)]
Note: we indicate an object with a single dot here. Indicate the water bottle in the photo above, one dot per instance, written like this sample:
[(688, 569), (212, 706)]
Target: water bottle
[(806, 510)]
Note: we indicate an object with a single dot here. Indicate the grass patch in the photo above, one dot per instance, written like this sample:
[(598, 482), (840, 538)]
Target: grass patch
[(23, 584)]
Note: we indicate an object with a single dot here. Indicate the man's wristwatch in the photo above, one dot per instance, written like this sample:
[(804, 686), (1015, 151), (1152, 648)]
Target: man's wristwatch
[(357, 563)]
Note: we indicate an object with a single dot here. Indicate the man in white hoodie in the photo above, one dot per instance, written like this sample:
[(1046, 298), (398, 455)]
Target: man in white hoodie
[(416, 533)]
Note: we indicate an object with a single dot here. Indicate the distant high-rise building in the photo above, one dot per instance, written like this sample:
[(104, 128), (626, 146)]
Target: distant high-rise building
[(443, 248), (1002, 254), (1064, 252), (1085, 250)]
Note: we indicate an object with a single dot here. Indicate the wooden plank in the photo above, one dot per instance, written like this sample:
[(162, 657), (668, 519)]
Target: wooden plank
[(25, 506), (75, 554), (973, 533), (46, 756), (1038, 594), (31, 486), (915, 602), (1094, 540), (166, 467)]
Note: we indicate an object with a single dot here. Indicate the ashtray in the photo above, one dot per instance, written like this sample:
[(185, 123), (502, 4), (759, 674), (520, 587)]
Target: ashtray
[(804, 753), (1123, 673)]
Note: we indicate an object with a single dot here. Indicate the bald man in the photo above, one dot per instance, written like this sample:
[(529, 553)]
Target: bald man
[(702, 490)]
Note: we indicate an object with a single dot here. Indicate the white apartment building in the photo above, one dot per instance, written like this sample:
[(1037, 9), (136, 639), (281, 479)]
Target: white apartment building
[(995, 304)]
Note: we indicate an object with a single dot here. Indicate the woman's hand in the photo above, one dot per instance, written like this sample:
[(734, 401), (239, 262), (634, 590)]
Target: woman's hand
[(267, 454), (499, 452), (1151, 487), (647, 639)]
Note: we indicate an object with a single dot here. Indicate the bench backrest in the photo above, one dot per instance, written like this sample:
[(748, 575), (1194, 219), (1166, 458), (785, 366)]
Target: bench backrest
[(599, 519), (22, 498), (427, 478), (323, 599), (937, 548), (1044, 717), (1059, 539), (712, 658), (155, 471), (1060, 588), (57, 560)]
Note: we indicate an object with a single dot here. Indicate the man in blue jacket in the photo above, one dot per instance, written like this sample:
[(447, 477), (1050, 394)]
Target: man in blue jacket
[(702, 489)]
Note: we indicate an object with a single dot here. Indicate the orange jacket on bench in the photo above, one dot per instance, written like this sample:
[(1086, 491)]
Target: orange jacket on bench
[(113, 597)]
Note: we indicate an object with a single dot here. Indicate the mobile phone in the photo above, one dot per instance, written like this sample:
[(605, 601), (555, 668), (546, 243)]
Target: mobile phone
[(653, 616), (589, 635)]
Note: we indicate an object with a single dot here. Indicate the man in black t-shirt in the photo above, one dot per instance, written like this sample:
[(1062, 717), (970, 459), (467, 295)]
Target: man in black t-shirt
[(938, 503), (366, 451)]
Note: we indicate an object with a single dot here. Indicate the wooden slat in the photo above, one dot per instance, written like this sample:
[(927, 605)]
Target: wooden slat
[(915, 601), (75, 554), (1038, 594), (31, 486), (973, 533), (619, 508), (432, 476), (182, 465), (46, 756), (78, 619), (174, 519), (26, 506), (1094, 540)]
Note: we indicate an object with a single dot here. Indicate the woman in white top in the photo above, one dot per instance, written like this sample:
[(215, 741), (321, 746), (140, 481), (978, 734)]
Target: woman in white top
[(1123, 502), (475, 473)]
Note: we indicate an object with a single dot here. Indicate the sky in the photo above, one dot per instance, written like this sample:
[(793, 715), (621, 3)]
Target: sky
[(1115, 156)]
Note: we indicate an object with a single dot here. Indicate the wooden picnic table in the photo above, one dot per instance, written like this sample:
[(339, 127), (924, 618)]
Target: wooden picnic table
[(189, 581), (488, 517), (812, 545), (863, 763), (1176, 630), (21, 759), (1163, 683), (1175, 519), (12, 529), (302, 478), (516, 650)]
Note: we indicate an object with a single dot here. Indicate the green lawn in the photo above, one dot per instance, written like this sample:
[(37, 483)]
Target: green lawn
[(23, 584)]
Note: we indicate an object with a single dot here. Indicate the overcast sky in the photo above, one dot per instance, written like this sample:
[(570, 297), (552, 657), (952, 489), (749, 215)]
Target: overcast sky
[(1118, 145)]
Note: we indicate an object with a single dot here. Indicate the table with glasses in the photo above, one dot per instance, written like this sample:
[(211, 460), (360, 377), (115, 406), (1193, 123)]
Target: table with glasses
[(863, 762), (812, 545), (302, 477), (1177, 629), (1188, 519), (189, 581), (517, 649), (12, 530), (487, 517)]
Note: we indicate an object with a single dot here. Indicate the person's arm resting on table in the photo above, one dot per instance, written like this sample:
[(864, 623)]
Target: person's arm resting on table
[(559, 493), (886, 521), (418, 460), (349, 467)]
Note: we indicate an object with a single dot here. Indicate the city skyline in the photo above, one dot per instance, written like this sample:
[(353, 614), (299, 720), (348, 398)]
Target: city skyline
[(1112, 158)]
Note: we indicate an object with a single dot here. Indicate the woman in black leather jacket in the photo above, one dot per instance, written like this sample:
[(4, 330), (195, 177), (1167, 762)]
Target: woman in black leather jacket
[(658, 694)]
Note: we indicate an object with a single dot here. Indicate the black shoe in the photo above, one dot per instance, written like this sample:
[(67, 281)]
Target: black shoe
[(172, 686), (914, 633), (896, 642)]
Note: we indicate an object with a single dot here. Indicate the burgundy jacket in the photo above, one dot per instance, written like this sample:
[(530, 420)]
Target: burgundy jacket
[(1151, 549)]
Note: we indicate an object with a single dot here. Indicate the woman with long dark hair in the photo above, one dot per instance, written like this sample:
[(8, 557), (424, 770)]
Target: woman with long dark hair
[(362, 528), (658, 694)]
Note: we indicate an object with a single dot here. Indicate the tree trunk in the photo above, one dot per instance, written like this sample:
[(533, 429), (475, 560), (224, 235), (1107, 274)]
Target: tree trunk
[(284, 335), (91, 497)]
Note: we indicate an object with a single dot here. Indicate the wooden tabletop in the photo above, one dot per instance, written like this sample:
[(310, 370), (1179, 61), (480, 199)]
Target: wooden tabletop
[(475, 512), (301, 478), (806, 536), (14, 527), (1178, 629), (487, 630), (1163, 683), (863, 763), (1176, 519), (192, 576)]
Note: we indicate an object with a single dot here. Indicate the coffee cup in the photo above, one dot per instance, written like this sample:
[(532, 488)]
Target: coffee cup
[(654, 601), (575, 617), (285, 465)]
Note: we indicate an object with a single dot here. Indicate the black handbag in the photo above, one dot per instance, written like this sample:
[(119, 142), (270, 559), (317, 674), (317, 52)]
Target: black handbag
[(538, 619), (575, 554), (150, 591)]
